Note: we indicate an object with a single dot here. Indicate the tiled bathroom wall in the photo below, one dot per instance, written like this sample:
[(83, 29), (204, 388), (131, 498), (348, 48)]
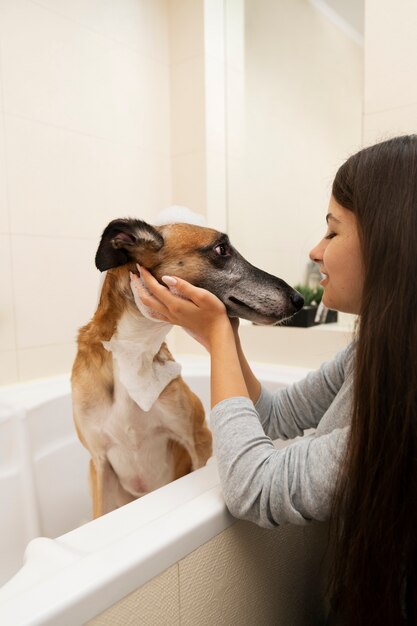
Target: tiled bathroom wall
[(85, 121), (111, 109), (390, 102), (198, 116), (187, 99)]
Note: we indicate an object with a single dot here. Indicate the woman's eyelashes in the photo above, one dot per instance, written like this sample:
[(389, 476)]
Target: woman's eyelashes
[(330, 235)]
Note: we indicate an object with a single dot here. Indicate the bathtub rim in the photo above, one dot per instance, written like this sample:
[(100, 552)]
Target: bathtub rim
[(191, 511), (76, 577)]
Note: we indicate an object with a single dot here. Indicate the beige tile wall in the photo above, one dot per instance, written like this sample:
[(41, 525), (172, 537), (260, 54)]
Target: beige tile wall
[(198, 134), (390, 103), (114, 109), (245, 576), (107, 109), (187, 103), (84, 138)]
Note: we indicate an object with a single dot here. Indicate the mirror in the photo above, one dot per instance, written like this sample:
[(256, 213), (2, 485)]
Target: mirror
[(294, 94)]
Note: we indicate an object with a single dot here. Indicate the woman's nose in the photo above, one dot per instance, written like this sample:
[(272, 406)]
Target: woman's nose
[(315, 254)]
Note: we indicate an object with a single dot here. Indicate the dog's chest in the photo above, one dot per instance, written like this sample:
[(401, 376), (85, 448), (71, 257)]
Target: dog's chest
[(137, 444), (127, 424), (139, 423), (137, 361)]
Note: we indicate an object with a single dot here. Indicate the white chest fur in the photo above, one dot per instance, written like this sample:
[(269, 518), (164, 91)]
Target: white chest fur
[(139, 425), (134, 347), (137, 442)]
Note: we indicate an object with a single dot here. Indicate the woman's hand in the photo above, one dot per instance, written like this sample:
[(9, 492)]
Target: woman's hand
[(197, 310), (204, 316)]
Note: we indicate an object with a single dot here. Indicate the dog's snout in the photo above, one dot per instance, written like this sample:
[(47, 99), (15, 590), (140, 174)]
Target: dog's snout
[(297, 300)]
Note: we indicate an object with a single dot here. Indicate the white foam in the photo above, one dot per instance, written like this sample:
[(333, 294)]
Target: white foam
[(176, 214)]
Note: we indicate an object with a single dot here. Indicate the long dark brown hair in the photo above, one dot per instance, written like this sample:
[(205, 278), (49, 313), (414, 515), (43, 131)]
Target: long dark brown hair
[(374, 519)]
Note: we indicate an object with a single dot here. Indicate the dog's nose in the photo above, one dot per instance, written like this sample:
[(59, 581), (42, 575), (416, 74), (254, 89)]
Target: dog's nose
[(297, 300)]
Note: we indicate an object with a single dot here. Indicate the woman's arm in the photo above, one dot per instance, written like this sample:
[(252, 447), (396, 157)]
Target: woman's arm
[(227, 378), (252, 383), (205, 317), (269, 486)]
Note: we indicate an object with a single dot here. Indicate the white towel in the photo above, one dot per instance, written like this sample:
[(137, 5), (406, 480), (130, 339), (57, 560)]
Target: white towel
[(134, 347), (143, 378)]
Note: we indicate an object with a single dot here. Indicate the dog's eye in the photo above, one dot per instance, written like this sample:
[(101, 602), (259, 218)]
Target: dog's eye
[(221, 249)]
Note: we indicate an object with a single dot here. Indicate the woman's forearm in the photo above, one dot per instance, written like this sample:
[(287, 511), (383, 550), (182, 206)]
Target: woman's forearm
[(227, 378), (252, 383)]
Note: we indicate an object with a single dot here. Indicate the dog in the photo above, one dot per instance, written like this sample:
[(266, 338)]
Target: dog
[(140, 422)]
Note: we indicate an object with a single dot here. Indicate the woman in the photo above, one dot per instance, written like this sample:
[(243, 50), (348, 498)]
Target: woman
[(359, 469)]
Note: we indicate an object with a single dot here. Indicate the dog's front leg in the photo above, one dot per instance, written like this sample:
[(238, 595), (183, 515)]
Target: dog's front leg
[(107, 492), (191, 453)]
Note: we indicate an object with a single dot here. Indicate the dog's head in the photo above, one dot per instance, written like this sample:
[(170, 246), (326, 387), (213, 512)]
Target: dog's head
[(203, 257)]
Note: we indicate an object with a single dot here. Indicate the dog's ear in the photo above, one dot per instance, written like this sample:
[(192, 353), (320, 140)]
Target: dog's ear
[(124, 240)]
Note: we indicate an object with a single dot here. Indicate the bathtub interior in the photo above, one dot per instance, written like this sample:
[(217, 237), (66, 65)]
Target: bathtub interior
[(44, 468), (43, 471)]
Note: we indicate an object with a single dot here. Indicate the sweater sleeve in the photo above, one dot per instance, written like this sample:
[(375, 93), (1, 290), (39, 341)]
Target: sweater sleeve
[(269, 486), (286, 413)]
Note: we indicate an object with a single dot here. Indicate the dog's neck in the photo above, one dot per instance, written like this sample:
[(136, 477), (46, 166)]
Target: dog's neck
[(134, 346), (134, 327)]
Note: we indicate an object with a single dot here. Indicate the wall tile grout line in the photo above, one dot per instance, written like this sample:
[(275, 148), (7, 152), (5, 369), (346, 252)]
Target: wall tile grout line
[(8, 210), (108, 140), (99, 33)]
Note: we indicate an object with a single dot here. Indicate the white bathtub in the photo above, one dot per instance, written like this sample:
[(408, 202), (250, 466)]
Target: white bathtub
[(74, 569)]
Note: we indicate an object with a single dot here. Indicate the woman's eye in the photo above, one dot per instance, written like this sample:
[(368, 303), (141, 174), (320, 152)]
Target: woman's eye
[(330, 235), (221, 249)]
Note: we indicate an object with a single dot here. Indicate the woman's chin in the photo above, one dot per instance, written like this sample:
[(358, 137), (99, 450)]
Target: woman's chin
[(325, 300)]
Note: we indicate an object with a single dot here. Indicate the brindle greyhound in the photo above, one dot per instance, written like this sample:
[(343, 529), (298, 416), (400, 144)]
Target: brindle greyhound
[(140, 422)]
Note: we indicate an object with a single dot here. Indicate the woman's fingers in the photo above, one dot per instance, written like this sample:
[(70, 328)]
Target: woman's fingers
[(177, 287), (146, 297), (181, 298), (200, 297), (197, 310), (155, 289), (158, 298)]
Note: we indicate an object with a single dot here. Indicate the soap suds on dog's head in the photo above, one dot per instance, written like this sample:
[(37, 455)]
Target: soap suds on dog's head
[(177, 214)]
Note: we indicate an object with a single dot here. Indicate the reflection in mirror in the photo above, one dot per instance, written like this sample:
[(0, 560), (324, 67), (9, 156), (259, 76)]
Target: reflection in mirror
[(294, 114)]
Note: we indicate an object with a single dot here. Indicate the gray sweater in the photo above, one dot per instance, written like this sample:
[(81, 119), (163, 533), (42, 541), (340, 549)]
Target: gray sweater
[(295, 484)]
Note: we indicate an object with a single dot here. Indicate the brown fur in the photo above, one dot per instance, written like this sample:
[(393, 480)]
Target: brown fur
[(93, 382), (134, 451)]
